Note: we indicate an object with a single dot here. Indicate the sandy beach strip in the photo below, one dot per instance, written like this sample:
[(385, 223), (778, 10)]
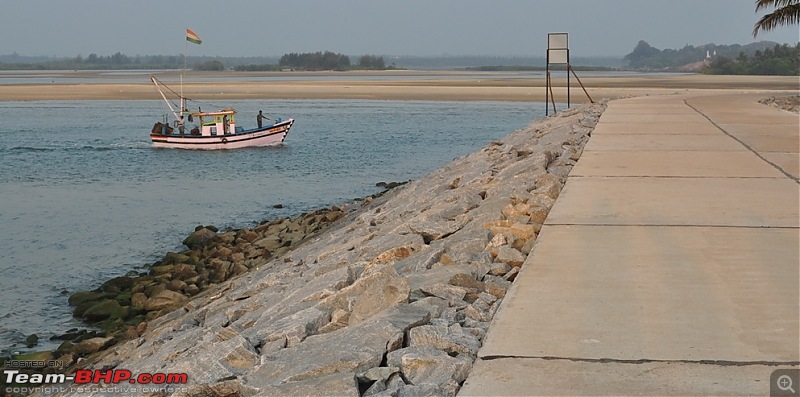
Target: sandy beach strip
[(449, 86)]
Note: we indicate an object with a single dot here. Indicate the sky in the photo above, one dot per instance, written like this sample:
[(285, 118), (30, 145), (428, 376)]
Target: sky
[(66, 28)]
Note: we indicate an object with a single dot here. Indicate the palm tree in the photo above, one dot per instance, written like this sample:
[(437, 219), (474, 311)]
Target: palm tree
[(786, 12)]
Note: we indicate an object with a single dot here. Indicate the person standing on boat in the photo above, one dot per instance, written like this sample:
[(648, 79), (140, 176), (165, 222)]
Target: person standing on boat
[(260, 118), (181, 125)]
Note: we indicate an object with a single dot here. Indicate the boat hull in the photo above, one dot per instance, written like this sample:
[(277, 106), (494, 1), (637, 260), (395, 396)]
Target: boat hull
[(267, 136)]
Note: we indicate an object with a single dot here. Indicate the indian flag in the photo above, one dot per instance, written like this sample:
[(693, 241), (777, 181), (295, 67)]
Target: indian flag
[(193, 37)]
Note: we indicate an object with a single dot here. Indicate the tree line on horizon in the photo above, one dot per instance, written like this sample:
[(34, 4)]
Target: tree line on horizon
[(761, 58), (316, 61), (781, 60), (755, 58), (307, 61)]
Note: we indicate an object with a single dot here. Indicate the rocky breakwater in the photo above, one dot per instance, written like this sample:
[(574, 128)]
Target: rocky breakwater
[(392, 301), (122, 306)]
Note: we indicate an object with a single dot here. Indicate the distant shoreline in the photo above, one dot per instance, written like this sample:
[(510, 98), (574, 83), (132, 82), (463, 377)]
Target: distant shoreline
[(409, 85)]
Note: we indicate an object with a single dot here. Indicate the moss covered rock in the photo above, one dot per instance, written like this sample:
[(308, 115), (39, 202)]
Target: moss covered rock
[(108, 308)]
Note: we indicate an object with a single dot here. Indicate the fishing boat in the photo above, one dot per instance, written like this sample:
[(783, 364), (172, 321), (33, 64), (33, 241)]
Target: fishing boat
[(212, 130), (182, 129)]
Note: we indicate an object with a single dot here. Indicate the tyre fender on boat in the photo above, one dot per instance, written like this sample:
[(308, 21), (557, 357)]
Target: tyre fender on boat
[(224, 140)]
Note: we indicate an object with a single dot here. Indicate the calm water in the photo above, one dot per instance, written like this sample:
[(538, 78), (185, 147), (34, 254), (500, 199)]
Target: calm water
[(83, 196)]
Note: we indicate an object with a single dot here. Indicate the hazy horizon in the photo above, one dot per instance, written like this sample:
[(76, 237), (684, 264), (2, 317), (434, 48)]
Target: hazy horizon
[(251, 28)]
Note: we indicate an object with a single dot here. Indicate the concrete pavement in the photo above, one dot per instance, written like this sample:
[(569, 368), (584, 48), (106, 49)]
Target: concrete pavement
[(669, 265)]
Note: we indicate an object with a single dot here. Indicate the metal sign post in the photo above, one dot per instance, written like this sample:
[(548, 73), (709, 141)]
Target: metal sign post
[(557, 53)]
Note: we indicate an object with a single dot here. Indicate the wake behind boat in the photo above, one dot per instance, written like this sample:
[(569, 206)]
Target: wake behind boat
[(210, 130)]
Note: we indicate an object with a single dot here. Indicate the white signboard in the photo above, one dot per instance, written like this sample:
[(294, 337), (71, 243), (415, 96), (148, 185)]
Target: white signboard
[(558, 48), (558, 56), (557, 41)]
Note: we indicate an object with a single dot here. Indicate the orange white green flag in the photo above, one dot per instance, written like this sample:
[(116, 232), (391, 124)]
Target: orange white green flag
[(192, 37)]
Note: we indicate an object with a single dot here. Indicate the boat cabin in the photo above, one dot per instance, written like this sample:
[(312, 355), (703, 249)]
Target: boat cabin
[(222, 122)]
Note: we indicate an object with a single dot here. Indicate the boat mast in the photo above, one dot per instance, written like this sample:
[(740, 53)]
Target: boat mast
[(169, 104)]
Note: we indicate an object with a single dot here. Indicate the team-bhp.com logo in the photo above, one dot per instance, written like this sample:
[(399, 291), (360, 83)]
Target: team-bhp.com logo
[(84, 380)]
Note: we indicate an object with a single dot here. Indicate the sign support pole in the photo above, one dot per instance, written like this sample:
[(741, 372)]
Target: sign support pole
[(547, 86), (557, 53)]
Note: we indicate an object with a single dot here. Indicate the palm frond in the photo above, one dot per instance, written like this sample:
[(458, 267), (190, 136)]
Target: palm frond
[(762, 4), (787, 15)]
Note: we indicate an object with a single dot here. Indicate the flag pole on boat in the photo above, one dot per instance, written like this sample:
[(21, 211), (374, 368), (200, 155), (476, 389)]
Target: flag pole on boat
[(194, 38), (185, 55)]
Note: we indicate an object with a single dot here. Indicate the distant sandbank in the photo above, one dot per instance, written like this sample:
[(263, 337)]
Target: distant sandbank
[(392, 85)]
